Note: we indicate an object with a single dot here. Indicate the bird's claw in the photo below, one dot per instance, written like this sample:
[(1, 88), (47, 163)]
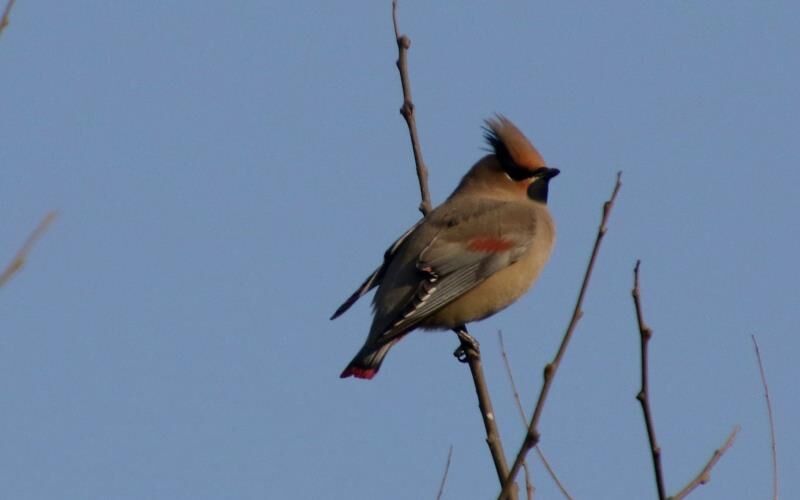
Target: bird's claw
[(468, 343)]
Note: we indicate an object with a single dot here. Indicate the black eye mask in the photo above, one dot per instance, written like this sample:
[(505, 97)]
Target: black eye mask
[(519, 173)]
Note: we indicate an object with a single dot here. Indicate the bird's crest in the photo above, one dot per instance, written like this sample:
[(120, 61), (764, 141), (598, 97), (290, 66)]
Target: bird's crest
[(511, 145)]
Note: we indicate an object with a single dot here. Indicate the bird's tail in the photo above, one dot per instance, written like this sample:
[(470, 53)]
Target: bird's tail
[(368, 360)]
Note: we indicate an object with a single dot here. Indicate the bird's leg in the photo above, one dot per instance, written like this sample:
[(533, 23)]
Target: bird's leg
[(468, 343)]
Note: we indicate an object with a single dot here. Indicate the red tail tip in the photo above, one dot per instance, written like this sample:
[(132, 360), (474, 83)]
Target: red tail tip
[(358, 372)]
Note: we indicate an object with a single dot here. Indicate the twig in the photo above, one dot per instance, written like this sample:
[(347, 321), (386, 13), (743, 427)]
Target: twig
[(773, 447), (469, 352), (532, 435), (528, 484), (444, 476), (6, 14), (19, 259), (705, 475), (518, 401), (645, 334), (407, 110), (552, 473)]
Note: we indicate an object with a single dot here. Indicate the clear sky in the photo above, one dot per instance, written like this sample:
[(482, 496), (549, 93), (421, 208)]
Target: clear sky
[(227, 173)]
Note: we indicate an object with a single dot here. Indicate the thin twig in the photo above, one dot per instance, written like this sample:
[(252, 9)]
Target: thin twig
[(773, 446), (507, 363), (552, 473), (528, 484), (407, 110), (470, 353), (532, 434), (705, 475), (446, 470), (524, 419), (6, 14), (645, 334), (19, 259)]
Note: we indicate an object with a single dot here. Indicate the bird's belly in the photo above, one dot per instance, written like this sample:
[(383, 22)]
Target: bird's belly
[(496, 293)]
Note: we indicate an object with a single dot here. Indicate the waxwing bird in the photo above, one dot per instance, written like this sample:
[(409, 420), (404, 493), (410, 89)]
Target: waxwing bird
[(470, 257)]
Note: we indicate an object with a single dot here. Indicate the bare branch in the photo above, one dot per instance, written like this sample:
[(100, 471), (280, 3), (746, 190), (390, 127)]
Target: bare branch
[(444, 476), (469, 352), (19, 259), (645, 334), (773, 446), (6, 15), (524, 418), (705, 475), (407, 110), (532, 435)]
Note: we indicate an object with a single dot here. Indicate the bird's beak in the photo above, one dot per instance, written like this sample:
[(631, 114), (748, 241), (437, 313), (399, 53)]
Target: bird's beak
[(550, 173), (545, 173)]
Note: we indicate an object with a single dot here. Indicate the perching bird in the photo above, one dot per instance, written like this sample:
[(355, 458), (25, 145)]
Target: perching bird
[(470, 257)]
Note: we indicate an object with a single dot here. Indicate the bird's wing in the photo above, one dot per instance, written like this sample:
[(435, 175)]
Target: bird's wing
[(375, 278), (465, 253)]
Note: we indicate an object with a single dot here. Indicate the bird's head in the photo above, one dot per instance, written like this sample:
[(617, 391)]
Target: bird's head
[(515, 169)]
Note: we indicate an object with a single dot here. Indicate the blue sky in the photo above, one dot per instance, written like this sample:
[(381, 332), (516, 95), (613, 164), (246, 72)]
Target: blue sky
[(226, 174)]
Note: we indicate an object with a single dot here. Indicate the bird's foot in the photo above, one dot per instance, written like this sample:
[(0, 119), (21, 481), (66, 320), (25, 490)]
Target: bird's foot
[(468, 343)]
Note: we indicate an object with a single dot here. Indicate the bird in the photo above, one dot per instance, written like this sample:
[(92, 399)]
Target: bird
[(468, 258)]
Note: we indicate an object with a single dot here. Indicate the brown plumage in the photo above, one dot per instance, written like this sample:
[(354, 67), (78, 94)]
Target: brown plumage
[(470, 257)]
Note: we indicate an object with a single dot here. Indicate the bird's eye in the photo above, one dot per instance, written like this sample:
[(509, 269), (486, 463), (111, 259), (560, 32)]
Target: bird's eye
[(518, 173)]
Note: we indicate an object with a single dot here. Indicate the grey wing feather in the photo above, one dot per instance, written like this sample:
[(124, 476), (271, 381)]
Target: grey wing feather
[(370, 283), (376, 277), (448, 278), (463, 279)]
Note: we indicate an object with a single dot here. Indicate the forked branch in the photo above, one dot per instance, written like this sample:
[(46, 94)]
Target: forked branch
[(532, 435), (524, 419), (645, 334)]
